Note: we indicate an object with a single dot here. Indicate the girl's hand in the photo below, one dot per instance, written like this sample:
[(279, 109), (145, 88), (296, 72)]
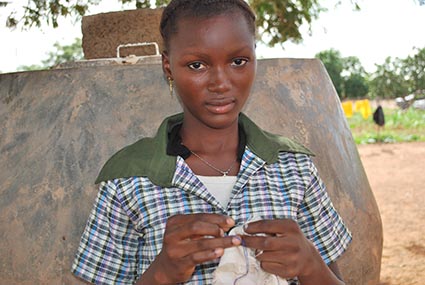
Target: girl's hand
[(190, 240), (283, 250)]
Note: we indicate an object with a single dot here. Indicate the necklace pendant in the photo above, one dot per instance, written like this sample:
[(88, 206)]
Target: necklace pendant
[(212, 166)]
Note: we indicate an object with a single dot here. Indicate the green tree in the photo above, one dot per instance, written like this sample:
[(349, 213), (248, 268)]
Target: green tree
[(347, 74), (278, 20), (60, 54), (413, 70), (355, 84), (388, 81), (334, 64), (352, 65)]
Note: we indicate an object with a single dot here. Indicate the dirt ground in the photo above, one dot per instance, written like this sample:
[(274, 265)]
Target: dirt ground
[(396, 174)]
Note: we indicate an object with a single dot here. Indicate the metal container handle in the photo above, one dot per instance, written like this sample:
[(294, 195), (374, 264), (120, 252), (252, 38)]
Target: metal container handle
[(138, 45)]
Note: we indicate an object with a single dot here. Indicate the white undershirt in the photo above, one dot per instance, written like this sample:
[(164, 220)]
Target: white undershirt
[(219, 186)]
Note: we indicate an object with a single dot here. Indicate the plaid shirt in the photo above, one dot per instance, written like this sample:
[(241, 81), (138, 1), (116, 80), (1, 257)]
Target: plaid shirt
[(125, 228)]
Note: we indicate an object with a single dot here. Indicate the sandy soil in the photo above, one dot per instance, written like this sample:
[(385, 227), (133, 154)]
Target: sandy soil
[(396, 174)]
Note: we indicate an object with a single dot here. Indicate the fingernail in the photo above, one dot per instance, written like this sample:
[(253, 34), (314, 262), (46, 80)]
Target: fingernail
[(221, 232), (218, 251), (230, 221), (258, 252), (236, 240)]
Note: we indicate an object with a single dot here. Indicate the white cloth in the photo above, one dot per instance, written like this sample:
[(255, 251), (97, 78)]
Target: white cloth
[(219, 186), (234, 268)]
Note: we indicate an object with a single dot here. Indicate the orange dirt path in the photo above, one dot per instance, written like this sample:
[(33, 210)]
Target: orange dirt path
[(396, 174)]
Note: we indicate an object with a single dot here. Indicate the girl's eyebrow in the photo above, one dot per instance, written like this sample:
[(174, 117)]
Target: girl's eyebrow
[(244, 47), (197, 52)]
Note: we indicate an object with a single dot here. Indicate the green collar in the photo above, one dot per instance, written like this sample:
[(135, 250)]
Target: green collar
[(147, 157)]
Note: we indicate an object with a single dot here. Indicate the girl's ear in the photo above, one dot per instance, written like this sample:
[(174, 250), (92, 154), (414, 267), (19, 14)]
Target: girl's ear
[(166, 65)]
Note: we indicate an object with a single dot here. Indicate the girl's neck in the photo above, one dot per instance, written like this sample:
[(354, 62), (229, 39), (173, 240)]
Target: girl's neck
[(206, 140)]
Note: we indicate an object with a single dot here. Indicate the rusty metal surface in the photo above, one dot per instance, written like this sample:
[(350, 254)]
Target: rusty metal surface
[(103, 33), (60, 126)]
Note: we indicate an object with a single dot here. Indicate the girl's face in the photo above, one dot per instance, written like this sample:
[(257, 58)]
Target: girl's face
[(212, 62)]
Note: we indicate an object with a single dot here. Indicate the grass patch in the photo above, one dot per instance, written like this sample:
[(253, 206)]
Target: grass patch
[(400, 126)]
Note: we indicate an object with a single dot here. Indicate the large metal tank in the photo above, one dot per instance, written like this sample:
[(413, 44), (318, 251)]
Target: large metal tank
[(58, 127)]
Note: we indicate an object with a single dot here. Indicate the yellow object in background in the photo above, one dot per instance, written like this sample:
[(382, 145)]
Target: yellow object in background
[(348, 108), (365, 109), (360, 106)]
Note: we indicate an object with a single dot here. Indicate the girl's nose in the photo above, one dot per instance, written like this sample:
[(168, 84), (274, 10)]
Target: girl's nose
[(219, 80)]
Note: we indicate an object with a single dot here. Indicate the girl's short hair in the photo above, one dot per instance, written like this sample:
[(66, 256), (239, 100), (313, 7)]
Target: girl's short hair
[(179, 9)]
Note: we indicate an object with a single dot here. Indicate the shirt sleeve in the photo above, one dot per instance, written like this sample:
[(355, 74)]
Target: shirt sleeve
[(320, 222), (107, 253)]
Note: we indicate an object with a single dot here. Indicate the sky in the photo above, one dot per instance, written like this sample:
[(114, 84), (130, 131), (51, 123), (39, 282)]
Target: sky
[(382, 28)]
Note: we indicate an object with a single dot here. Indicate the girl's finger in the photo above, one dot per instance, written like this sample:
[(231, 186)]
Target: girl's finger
[(278, 269), (222, 221), (190, 247), (272, 227), (268, 243)]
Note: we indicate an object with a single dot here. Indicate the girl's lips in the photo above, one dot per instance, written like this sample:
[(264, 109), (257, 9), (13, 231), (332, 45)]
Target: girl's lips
[(220, 106)]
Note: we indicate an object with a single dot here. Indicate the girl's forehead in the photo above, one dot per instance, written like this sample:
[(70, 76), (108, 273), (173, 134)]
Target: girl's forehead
[(233, 20), (218, 36)]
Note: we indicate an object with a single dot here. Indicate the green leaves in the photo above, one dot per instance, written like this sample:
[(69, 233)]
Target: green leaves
[(277, 20), (399, 77), (60, 54), (37, 12), (347, 74), (394, 78), (280, 20)]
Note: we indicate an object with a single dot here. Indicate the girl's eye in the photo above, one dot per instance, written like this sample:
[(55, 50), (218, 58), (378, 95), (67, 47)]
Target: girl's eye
[(239, 62), (196, 65)]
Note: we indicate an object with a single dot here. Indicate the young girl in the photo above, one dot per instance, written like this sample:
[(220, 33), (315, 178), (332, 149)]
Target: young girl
[(166, 203)]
